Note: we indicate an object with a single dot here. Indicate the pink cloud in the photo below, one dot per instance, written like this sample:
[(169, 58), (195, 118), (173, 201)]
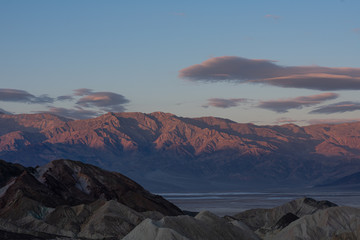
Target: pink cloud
[(107, 101), (272, 16), (2, 111), (332, 121), (82, 91), (340, 107), (16, 95), (284, 105), (225, 103), (76, 113), (285, 120), (242, 70)]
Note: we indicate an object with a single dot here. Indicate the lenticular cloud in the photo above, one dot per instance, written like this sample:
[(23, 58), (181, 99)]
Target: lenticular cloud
[(243, 70)]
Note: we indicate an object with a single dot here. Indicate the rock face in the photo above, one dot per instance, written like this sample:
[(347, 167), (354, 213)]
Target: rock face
[(166, 152)]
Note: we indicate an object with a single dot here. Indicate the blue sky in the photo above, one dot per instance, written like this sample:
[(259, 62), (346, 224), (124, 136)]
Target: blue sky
[(129, 56)]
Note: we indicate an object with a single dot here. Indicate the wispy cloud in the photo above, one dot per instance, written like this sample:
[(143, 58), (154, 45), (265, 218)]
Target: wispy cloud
[(224, 103), (15, 95), (275, 17), (87, 103), (76, 113), (243, 70), (283, 105), (2, 111), (332, 121), (340, 107), (82, 91), (286, 120), (65, 98), (107, 101)]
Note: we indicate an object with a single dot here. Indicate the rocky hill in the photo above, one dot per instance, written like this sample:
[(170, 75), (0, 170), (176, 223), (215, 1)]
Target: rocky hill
[(71, 199), (67, 199), (66, 182), (166, 152), (303, 218)]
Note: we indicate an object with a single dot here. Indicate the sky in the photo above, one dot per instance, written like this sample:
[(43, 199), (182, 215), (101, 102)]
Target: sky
[(264, 62)]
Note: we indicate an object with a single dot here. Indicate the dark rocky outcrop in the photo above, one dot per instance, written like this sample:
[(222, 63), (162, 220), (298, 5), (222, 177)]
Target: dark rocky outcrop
[(9, 171), (285, 220), (20, 236)]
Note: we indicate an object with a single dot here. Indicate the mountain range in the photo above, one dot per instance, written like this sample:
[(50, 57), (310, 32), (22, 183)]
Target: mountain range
[(164, 152)]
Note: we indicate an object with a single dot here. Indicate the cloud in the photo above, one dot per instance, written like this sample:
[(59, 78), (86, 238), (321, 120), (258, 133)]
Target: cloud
[(340, 107), (107, 101), (78, 113), (65, 98), (2, 111), (87, 103), (317, 121), (15, 95), (318, 81), (225, 103), (82, 91), (285, 120), (356, 30), (283, 105), (243, 70), (332, 121), (272, 16)]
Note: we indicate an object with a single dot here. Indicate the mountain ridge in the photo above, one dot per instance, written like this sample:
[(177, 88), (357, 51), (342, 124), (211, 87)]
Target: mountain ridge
[(151, 148)]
